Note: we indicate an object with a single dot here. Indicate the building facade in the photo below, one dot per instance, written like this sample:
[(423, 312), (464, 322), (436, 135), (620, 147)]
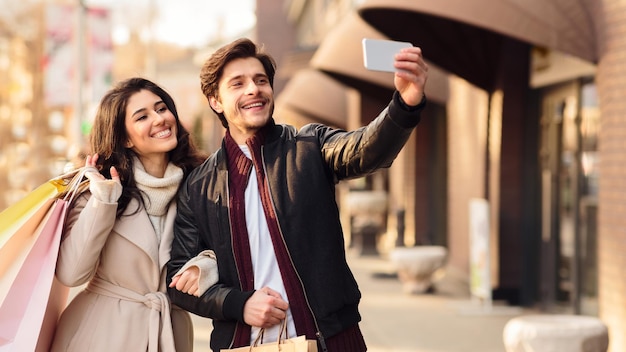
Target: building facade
[(528, 117)]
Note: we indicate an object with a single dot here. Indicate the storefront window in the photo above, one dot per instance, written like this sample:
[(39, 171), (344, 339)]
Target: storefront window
[(569, 159), (589, 125)]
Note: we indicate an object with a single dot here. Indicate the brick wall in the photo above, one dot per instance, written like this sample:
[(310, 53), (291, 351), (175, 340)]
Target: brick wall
[(610, 19)]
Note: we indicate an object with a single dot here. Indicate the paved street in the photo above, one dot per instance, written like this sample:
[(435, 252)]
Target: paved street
[(393, 321)]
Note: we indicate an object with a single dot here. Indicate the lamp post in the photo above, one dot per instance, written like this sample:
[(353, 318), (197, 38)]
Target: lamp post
[(79, 107)]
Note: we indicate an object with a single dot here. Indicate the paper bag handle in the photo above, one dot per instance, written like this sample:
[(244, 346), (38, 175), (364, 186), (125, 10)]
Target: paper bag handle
[(282, 335), (73, 182)]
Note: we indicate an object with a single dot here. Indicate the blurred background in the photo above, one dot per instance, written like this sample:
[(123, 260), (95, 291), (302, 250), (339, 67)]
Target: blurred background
[(58, 58), (525, 113)]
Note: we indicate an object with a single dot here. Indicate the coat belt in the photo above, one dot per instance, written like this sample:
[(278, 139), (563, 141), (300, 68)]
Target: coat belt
[(159, 304)]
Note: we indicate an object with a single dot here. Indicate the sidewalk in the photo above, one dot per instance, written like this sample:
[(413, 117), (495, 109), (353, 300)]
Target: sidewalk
[(393, 321)]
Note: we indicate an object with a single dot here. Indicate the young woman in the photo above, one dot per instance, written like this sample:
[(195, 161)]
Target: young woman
[(118, 234)]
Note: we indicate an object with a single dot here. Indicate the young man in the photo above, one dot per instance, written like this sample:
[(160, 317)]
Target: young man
[(265, 204)]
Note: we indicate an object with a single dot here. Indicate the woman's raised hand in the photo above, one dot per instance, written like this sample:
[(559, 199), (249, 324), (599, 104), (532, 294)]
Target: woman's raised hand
[(102, 188), (91, 161)]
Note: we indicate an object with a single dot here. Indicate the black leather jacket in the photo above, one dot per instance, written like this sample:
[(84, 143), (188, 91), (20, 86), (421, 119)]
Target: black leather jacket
[(302, 169)]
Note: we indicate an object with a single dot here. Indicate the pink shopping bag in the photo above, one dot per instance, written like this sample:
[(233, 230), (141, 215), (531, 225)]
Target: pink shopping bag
[(31, 299), (28, 303), (18, 229), (15, 250)]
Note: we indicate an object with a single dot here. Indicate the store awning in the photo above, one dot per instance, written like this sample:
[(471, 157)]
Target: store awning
[(312, 95), (340, 55), (467, 37), (283, 113)]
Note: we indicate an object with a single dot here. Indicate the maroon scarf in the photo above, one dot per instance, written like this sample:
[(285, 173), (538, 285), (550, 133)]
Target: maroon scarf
[(239, 168)]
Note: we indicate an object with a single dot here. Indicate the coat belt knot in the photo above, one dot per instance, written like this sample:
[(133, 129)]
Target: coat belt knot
[(157, 302)]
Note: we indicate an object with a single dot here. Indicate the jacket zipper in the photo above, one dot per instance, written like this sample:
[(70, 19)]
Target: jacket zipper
[(230, 228), (318, 334)]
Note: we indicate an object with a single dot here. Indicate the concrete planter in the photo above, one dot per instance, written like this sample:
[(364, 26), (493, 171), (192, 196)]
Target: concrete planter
[(555, 333), (367, 212), (416, 266)]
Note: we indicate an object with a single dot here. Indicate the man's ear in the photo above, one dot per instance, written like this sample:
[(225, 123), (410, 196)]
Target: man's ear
[(216, 105)]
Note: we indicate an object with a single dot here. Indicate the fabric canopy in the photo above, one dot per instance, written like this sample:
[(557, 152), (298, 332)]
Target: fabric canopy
[(467, 37), (315, 96), (341, 56)]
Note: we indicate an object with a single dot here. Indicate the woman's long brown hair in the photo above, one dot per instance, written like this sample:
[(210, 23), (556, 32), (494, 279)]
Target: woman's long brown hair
[(109, 136)]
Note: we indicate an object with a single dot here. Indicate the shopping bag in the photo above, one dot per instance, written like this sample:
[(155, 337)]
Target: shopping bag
[(20, 228), (19, 222), (23, 309), (15, 216), (14, 252), (31, 299), (21, 213), (283, 344)]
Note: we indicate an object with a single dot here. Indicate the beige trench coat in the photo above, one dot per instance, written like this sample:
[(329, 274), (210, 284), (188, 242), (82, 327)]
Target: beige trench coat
[(125, 306)]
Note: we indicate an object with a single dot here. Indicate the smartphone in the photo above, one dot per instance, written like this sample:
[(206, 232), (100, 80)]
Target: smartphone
[(378, 54)]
